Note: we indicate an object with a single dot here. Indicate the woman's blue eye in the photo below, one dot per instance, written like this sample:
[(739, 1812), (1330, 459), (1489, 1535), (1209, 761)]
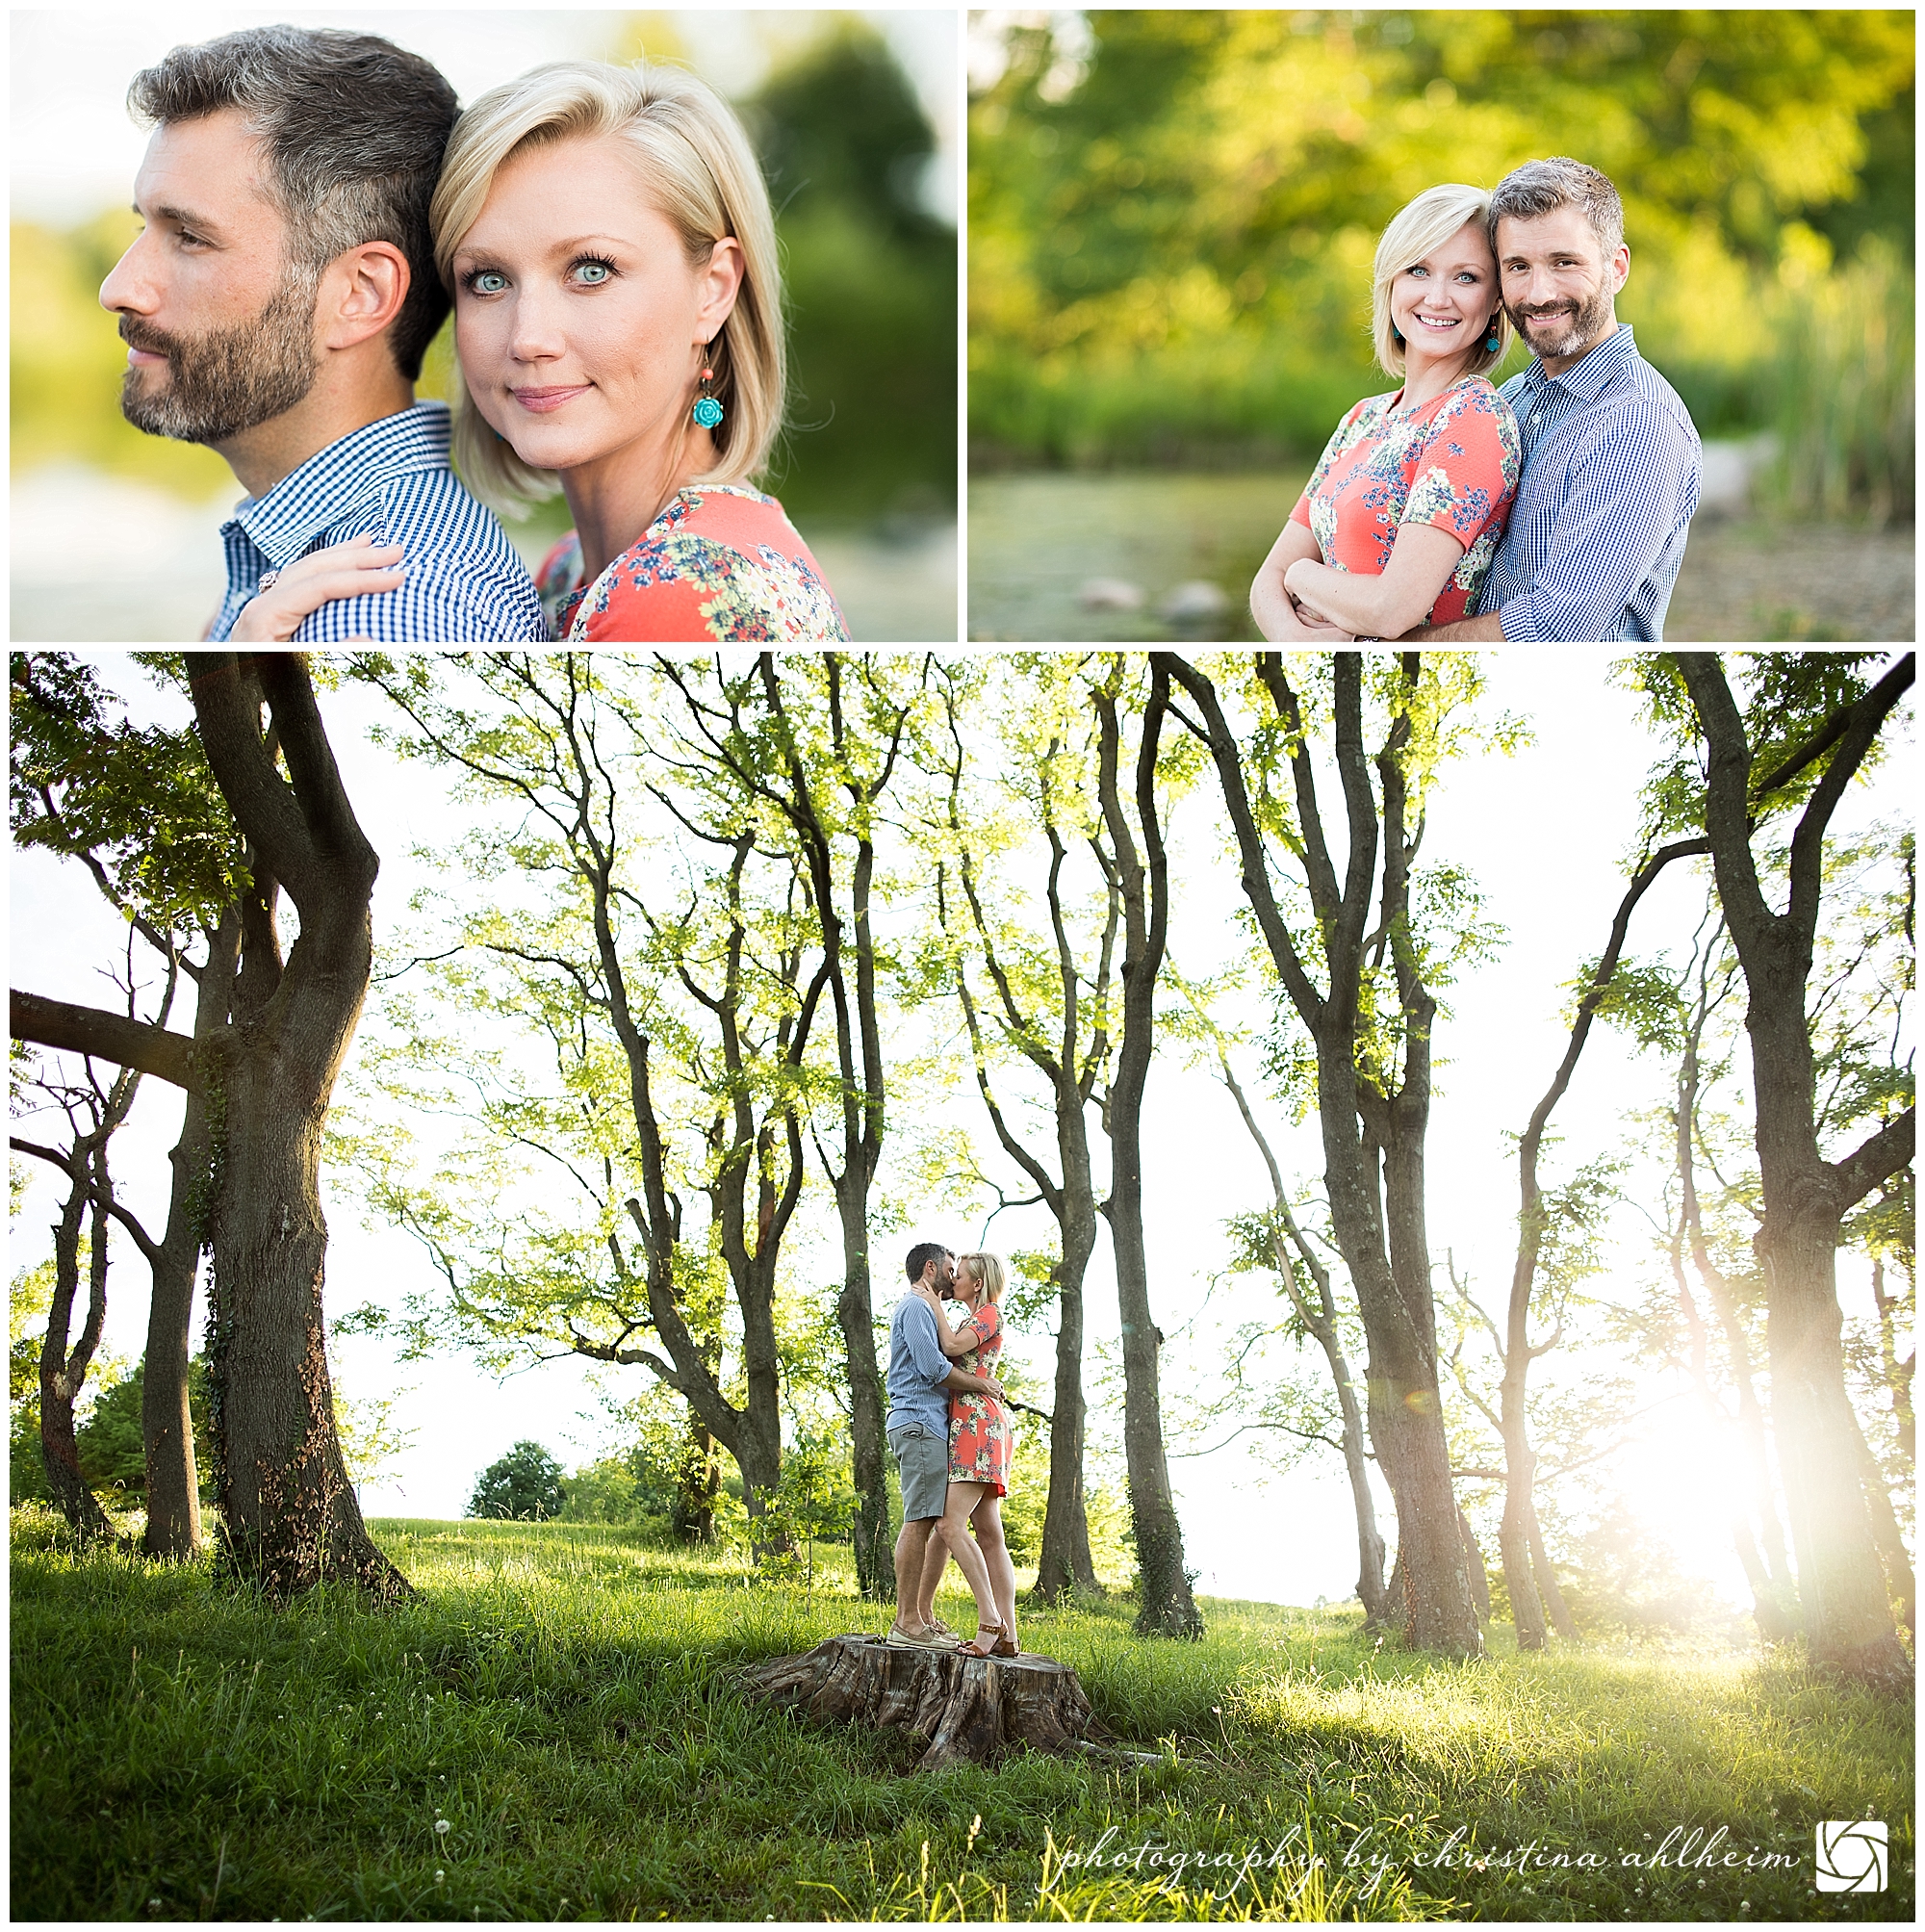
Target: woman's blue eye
[(488, 282), (593, 272)]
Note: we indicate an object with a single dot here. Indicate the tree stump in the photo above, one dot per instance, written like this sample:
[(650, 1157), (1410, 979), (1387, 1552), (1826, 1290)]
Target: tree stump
[(971, 1709)]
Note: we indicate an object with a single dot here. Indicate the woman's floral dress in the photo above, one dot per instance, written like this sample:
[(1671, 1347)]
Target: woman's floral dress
[(979, 1425), (1452, 462), (721, 565)]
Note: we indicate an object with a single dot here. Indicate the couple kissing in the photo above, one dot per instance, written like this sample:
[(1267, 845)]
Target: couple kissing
[(950, 1432)]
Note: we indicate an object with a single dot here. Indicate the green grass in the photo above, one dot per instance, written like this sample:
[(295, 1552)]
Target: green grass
[(563, 1698)]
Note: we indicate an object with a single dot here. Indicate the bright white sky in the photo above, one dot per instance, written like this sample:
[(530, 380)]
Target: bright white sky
[(1544, 832), (75, 151)]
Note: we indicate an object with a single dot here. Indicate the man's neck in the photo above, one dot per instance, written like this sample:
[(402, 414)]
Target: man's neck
[(1557, 365), (262, 456)]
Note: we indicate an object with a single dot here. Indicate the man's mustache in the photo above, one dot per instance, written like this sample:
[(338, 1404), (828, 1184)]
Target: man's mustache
[(138, 335)]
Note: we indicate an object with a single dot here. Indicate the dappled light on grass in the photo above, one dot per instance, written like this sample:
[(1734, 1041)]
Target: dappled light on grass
[(556, 1727)]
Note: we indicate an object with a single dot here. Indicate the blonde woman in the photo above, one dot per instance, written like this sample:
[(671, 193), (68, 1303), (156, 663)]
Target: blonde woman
[(606, 235), (1402, 516), (979, 1443)]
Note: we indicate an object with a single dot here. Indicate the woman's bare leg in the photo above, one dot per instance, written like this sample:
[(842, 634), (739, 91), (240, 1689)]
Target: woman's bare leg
[(987, 1518), (955, 1530)]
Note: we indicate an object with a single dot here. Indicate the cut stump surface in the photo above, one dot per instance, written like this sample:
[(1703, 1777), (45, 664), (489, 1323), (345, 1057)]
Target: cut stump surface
[(971, 1709)]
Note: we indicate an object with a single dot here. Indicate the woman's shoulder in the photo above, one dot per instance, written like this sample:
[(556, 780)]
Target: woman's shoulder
[(1473, 395), (1371, 411), (721, 564)]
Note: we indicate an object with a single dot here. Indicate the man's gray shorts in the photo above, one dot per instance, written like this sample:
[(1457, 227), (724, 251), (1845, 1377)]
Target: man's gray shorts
[(924, 1462)]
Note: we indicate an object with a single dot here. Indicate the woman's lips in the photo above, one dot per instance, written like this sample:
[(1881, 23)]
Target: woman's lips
[(542, 400)]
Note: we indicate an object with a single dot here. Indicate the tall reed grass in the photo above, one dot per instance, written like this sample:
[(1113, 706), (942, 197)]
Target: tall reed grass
[(1843, 383)]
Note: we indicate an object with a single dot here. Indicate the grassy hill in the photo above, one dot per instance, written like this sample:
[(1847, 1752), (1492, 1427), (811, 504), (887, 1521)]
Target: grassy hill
[(555, 1730)]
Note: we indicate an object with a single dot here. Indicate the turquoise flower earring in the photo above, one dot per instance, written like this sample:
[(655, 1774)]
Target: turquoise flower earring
[(707, 411), (1494, 340)]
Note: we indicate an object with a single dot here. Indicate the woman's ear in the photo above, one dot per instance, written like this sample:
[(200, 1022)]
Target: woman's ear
[(720, 283)]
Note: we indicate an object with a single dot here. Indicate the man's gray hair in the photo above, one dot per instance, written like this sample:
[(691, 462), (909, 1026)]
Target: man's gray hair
[(355, 129), (1542, 186)]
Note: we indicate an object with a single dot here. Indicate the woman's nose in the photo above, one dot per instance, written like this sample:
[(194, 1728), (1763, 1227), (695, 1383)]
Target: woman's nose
[(536, 335)]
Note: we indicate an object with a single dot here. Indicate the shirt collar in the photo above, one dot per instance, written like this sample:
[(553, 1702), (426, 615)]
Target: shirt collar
[(1586, 379), (337, 480)]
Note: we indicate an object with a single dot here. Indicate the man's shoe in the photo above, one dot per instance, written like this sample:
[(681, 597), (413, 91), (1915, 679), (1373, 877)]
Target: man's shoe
[(925, 1639)]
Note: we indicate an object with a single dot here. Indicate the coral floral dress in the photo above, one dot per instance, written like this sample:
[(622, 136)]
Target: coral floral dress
[(979, 1426), (721, 565), (1454, 462)]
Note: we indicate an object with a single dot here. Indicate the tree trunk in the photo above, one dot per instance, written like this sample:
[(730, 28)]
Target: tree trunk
[(63, 1374), (1480, 1582), (971, 1710), (291, 1519), (1841, 1583), (1321, 1324), (698, 1483), (1526, 1609), (173, 1482), (1168, 1608), (1372, 1134), (1561, 1619), (1065, 1566)]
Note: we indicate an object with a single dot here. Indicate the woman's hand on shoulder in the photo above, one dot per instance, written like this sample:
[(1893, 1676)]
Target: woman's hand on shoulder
[(360, 567)]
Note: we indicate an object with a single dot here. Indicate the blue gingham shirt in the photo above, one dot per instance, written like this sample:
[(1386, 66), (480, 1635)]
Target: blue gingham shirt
[(465, 582), (1611, 468)]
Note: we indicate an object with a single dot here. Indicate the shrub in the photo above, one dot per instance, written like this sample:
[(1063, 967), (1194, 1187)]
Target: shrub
[(524, 1486)]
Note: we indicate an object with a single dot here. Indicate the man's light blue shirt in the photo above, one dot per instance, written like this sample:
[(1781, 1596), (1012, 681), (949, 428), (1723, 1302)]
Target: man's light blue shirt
[(1611, 472), (465, 582), (918, 1370)]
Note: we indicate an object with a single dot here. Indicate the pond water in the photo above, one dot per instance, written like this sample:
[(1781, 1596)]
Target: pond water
[(1036, 541)]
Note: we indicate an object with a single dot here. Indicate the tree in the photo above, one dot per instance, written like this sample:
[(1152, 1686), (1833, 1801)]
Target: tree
[(1519, 1536), (289, 1511), (1749, 774), (138, 807), (523, 1487), (819, 751), (1290, 1249), (94, 1114), (675, 1027), (1142, 882), (1045, 1004), (1371, 1024)]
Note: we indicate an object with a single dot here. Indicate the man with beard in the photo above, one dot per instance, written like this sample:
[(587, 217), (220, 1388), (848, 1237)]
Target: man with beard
[(1611, 461), (277, 307)]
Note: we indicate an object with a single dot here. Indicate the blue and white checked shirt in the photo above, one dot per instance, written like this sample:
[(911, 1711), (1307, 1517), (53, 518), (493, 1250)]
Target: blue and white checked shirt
[(465, 582), (1611, 468)]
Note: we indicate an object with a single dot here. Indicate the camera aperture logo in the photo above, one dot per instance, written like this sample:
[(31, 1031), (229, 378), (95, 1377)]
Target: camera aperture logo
[(1852, 1856)]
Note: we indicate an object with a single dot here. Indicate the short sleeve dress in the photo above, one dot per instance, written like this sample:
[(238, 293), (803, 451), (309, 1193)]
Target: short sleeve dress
[(1454, 462), (979, 1426), (721, 565)]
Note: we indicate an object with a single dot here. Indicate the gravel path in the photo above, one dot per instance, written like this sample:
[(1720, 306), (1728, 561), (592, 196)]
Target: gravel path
[(1759, 583)]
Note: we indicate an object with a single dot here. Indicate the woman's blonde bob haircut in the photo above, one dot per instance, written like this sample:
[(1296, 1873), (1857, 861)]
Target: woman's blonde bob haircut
[(1428, 223), (696, 166), (989, 1272)]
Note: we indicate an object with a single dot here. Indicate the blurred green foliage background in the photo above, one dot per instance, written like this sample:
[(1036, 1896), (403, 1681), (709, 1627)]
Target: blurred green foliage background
[(1172, 217), (872, 287)]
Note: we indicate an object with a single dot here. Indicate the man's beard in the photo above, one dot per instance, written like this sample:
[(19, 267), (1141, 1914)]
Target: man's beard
[(229, 379), (1584, 327)]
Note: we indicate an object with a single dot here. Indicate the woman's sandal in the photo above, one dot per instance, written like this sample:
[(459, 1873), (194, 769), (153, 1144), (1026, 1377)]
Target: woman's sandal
[(1006, 1644), (996, 1631)]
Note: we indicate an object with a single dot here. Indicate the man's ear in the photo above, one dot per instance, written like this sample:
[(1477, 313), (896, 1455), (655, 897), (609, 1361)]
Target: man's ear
[(1621, 266), (361, 293)]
